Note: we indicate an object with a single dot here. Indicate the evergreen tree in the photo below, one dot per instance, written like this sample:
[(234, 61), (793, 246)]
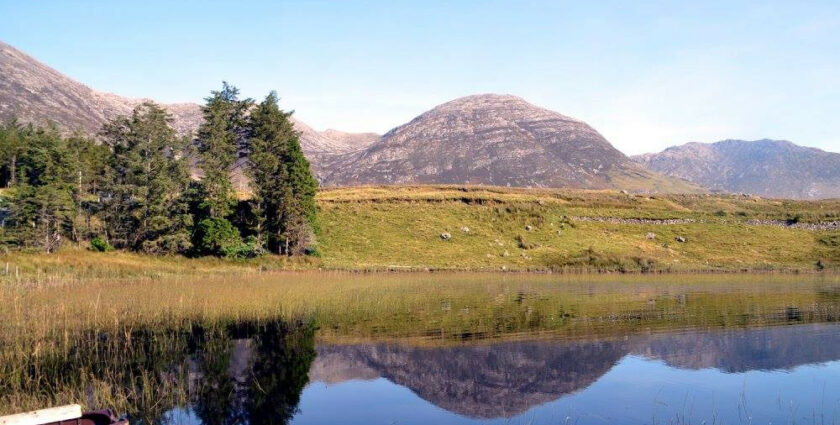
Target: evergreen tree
[(43, 204), (11, 146), (281, 180), (220, 140), (144, 207)]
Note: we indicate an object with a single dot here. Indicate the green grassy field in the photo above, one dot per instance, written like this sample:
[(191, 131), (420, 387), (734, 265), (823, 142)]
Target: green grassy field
[(520, 229), (399, 228)]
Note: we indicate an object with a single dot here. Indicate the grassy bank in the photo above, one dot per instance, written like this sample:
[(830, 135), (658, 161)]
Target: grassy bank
[(520, 229), (492, 229), (395, 305)]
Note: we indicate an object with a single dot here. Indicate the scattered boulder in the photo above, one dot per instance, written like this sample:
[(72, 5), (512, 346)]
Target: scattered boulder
[(559, 232), (506, 254), (680, 239), (529, 228), (624, 192), (650, 236), (445, 236), (465, 229)]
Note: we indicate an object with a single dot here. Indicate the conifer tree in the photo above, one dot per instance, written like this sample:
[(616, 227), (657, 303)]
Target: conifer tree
[(44, 198), (143, 203), (11, 147), (221, 138), (281, 180)]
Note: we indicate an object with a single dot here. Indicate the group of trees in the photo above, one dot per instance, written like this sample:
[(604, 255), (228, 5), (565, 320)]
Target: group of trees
[(134, 187)]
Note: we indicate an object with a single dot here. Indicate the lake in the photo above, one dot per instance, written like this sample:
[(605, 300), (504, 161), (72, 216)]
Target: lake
[(560, 350)]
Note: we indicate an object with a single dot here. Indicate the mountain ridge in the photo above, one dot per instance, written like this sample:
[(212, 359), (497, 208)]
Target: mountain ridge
[(33, 92), (495, 139), (480, 139), (765, 167)]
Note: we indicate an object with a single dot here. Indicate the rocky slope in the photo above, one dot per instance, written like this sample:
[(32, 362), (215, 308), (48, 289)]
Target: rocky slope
[(33, 92), (487, 139), (495, 140), (772, 168)]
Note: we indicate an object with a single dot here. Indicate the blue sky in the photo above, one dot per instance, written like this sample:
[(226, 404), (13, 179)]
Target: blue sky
[(645, 74)]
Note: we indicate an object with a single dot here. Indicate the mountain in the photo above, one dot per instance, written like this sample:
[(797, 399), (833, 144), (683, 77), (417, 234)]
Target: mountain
[(495, 140), (33, 92), (483, 139), (772, 168)]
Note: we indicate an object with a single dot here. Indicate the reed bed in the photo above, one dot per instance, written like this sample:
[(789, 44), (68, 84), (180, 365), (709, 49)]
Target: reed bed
[(120, 337)]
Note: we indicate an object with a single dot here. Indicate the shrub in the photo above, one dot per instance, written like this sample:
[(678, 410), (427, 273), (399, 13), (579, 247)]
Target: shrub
[(524, 244), (793, 220), (820, 264), (217, 236), (250, 248), (592, 259), (176, 243), (98, 244)]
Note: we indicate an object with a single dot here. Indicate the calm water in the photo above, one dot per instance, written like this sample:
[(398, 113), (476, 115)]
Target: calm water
[(624, 352), (775, 375)]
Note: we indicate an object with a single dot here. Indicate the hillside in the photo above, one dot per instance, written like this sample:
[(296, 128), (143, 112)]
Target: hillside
[(33, 92), (497, 140), (492, 228), (773, 168)]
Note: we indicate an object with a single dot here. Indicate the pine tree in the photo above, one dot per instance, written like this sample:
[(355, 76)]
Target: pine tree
[(11, 147), (44, 200), (221, 138), (144, 207), (281, 180)]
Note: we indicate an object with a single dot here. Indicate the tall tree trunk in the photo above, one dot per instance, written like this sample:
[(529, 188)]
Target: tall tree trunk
[(12, 171)]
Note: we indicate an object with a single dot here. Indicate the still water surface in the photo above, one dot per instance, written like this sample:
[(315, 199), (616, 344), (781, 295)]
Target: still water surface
[(773, 375), (439, 349)]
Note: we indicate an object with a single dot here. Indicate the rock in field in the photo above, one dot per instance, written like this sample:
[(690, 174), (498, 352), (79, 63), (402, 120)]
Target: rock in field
[(445, 236)]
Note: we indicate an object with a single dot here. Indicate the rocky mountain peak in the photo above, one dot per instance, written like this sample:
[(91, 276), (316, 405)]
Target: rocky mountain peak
[(496, 140), (772, 168)]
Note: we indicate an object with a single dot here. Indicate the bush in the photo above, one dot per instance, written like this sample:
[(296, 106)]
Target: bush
[(217, 236), (98, 244), (594, 260), (176, 243), (524, 243), (250, 248), (793, 220)]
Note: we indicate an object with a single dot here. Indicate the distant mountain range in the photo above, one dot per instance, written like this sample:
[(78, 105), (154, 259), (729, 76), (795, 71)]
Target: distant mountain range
[(483, 139), (772, 168)]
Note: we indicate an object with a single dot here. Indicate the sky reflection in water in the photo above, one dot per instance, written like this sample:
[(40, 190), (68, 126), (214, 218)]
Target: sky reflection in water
[(773, 375)]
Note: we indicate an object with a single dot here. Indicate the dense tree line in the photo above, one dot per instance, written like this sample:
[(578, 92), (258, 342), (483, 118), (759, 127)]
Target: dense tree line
[(139, 186)]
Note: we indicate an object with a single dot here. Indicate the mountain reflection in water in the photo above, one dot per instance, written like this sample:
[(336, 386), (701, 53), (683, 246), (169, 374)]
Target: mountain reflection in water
[(273, 373), (507, 379)]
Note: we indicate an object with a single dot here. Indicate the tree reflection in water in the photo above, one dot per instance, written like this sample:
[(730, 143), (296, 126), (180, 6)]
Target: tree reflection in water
[(242, 373)]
